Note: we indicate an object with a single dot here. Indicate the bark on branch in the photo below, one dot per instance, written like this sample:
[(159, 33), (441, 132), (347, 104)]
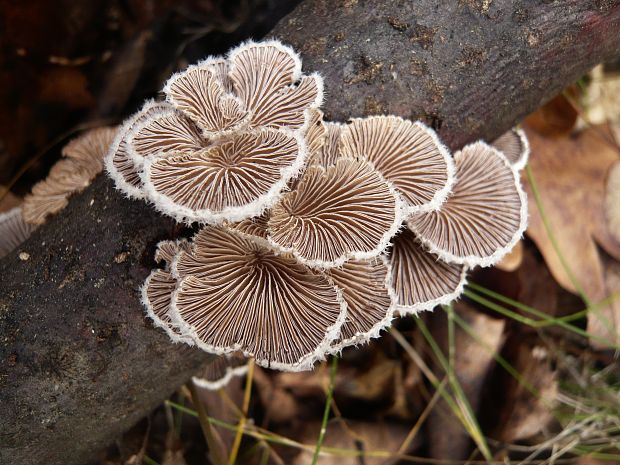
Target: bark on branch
[(78, 362)]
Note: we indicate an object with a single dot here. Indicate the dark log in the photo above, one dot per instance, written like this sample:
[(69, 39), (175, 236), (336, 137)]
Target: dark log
[(78, 362)]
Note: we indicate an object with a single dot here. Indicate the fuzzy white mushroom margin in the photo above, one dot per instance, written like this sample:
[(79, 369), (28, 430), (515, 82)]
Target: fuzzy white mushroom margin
[(374, 332), (263, 202), (384, 242), (472, 261), (305, 363)]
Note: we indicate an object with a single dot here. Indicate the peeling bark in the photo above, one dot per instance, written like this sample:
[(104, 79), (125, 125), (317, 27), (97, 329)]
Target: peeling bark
[(78, 362)]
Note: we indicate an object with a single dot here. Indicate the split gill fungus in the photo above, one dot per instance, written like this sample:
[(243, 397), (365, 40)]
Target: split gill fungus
[(312, 235)]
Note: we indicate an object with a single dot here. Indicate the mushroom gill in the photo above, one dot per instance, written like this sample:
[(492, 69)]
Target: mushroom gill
[(347, 211), (484, 216), (420, 280), (408, 154), (235, 295), (514, 146)]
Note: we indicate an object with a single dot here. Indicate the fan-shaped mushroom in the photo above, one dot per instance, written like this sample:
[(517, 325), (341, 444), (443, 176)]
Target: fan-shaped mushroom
[(420, 280), (236, 295), (234, 179), (83, 160), (118, 162), (407, 154), (367, 289), (347, 211), (515, 147), (221, 371), (233, 138), (157, 293), (484, 216)]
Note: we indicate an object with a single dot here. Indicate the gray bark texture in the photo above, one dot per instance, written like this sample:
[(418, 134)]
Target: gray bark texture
[(78, 362)]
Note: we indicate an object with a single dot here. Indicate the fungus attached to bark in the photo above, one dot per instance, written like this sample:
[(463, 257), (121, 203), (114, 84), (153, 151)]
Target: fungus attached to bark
[(231, 138), (118, 162), (230, 181), (515, 147), (408, 154), (236, 295), (13, 230), (347, 211), (83, 160), (420, 280), (157, 293), (484, 216)]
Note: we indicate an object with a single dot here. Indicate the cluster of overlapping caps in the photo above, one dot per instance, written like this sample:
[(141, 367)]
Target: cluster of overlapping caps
[(314, 234)]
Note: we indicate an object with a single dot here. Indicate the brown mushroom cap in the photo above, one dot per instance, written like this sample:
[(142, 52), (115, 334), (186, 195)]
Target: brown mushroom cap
[(163, 132), (315, 134), (407, 154), (118, 163), (612, 201), (218, 373), (347, 211), (236, 295), (13, 230), (420, 280), (366, 288), (83, 160), (235, 179), (514, 146), (485, 215), (328, 152)]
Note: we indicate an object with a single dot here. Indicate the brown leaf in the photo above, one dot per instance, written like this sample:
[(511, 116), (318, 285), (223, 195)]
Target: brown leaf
[(522, 409), (473, 359), (355, 435), (570, 175), (554, 119), (513, 260)]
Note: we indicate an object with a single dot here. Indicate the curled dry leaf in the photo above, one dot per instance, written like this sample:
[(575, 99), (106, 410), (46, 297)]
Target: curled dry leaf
[(511, 260), (484, 216), (409, 155), (514, 146), (83, 160), (559, 165), (421, 280), (236, 295), (13, 230), (347, 211)]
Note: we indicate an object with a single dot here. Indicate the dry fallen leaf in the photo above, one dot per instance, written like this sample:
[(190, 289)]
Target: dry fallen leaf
[(555, 118), (523, 409), (570, 175), (513, 260), (356, 436), (473, 360)]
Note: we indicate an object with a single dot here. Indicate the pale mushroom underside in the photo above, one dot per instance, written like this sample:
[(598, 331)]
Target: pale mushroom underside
[(484, 216)]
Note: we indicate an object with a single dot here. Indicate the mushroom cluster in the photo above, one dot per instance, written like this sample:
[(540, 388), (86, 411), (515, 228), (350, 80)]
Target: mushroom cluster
[(311, 235)]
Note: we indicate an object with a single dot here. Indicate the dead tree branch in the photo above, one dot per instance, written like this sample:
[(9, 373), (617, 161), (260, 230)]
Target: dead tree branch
[(78, 362)]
